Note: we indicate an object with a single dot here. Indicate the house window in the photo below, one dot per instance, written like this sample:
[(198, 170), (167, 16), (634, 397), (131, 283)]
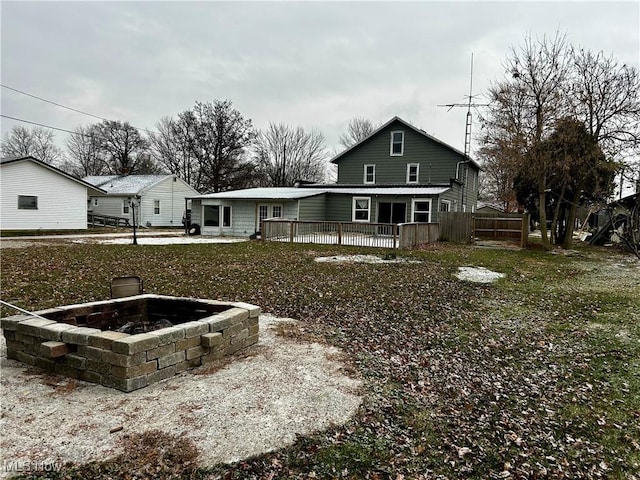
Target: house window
[(361, 209), (263, 212), (445, 206), (276, 211), (369, 174), (226, 216), (156, 207), (421, 210), (95, 202), (413, 170), (27, 202), (211, 216), (125, 207), (397, 143)]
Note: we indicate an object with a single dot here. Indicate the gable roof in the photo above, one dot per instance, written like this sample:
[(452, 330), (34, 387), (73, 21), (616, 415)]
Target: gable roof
[(29, 158), (408, 125), (126, 184)]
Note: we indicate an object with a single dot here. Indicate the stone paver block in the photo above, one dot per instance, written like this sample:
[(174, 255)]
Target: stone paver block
[(11, 323), (225, 319), (46, 364), (75, 361), (92, 353), (54, 331), (251, 340), (162, 351), (53, 349), (172, 359), (135, 343), (125, 384), (99, 366), (124, 360), (193, 329), (195, 352), (210, 340), (241, 335), (232, 330), (26, 358), (188, 343), (32, 326), (162, 374), (138, 370), (168, 335), (67, 371), (79, 335), (26, 339), (254, 310), (104, 340)]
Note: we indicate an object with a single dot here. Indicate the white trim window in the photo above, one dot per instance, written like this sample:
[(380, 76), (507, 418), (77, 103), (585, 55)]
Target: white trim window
[(396, 148), (369, 174), (361, 209), (156, 207), (445, 205), (276, 211), (125, 206), (421, 210), (226, 216), (413, 172)]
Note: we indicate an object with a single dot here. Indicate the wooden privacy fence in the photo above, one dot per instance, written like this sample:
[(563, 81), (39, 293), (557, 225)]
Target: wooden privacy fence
[(383, 235), (459, 227)]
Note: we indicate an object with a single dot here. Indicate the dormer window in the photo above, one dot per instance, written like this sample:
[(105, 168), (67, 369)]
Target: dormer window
[(397, 144), (413, 172), (369, 174)]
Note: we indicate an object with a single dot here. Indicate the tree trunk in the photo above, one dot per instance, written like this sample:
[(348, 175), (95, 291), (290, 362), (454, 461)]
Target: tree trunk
[(571, 218), (542, 207)]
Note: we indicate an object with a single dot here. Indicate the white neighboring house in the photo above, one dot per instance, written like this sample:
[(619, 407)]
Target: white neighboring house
[(37, 196), (161, 198)]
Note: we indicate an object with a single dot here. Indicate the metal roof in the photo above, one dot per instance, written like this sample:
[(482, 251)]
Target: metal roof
[(293, 193), (125, 184)]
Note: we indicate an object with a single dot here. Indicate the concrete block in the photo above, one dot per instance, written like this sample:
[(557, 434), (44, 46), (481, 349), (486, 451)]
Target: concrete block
[(135, 343), (231, 349), (32, 326), (75, 361), (210, 340), (46, 364), (232, 330), (125, 384), (251, 322), (168, 335), (227, 318), (91, 376), (253, 310), (104, 340), (254, 330), (52, 349), (98, 366), (188, 364), (124, 360), (25, 339), (251, 340), (25, 358), (138, 370), (162, 351), (67, 371), (172, 359), (212, 356), (9, 334), (241, 335), (11, 323), (188, 343), (195, 352), (54, 332), (79, 335), (92, 353), (162, 374), (193, 329), (12, 349)]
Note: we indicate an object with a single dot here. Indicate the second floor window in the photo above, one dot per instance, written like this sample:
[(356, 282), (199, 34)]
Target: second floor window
[(369, 174), (412, 172), (397, 143)]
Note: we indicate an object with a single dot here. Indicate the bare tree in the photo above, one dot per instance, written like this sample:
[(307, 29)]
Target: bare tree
[(84, 153), (123, 147), (37, 142), (539, 73), (358, 129), (170, 147), (285, 155)]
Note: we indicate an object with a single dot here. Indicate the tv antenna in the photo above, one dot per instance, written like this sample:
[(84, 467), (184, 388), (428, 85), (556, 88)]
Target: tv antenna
[(469, 104)]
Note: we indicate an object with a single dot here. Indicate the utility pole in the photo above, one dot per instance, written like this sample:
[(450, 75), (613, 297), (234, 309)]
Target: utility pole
[(467, 132)]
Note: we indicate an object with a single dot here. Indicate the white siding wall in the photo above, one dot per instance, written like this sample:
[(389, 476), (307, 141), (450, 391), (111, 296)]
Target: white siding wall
[(171, 195), (111, 206), (62, 203)]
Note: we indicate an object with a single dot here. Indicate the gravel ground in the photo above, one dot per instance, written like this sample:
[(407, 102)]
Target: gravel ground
[(272, 392)]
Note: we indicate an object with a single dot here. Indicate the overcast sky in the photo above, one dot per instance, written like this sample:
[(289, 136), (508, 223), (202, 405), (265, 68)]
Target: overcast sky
[(311, 64)]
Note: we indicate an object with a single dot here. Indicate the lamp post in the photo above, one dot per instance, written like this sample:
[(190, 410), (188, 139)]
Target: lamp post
[(134, 203)]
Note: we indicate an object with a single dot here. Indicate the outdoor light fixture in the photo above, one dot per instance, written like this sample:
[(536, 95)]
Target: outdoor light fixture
[(133, 203)]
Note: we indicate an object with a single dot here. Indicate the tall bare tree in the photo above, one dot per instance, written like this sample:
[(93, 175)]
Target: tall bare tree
[(84, 154), (125, 150), (358, 129), (285, 155), (37, 142), (170, 147)]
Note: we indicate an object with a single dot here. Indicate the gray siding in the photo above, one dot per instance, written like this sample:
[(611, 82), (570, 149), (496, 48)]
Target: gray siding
[(313, 208), (437, 162), (340, 206)]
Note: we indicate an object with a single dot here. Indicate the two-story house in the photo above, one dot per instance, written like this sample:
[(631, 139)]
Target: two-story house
[(397, 174)]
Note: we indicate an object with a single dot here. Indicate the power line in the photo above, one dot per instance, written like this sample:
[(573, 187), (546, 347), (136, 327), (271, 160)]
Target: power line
[(65, 107), (41, 125)]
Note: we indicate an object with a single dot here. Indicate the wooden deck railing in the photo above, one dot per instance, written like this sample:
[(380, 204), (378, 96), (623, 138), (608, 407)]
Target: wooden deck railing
[(106, 221)]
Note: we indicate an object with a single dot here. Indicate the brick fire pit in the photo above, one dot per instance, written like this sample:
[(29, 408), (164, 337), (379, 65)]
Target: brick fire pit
[(80, 341)]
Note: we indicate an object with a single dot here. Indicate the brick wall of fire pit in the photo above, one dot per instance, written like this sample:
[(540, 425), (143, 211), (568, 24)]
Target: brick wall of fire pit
[(66, 341)]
